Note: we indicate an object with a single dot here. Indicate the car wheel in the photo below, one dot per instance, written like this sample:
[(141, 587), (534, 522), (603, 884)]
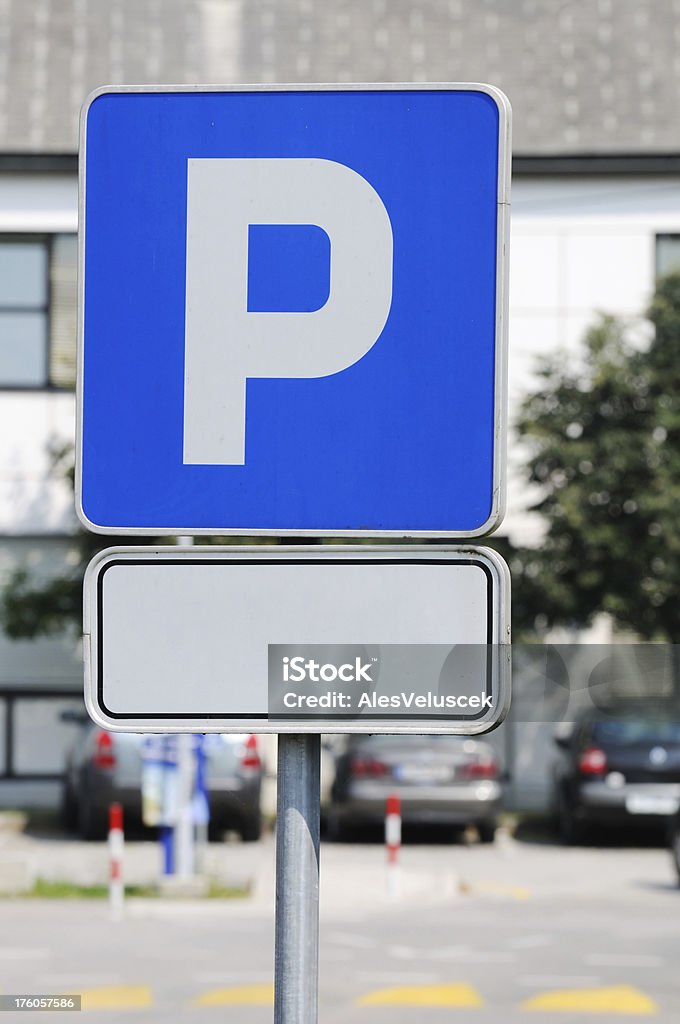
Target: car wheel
[(570, 829), (486, 830), (251, 828), (68, 810), (92, 823), (675, 848), (215, 832), (338, 830)]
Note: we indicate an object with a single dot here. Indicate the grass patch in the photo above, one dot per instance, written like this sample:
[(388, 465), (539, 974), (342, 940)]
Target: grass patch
[(217, 891), (55, 890)]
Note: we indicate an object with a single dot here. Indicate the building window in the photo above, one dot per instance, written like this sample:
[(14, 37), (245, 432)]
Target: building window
[(23, 312), (667, 254), (63, 310), (38, 311)]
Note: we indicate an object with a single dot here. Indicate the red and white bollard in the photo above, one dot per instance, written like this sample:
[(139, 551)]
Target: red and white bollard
[(116, 844), (393, 843)]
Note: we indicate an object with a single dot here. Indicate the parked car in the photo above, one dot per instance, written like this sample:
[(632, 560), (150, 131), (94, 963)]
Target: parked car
[(617, 767), (102, 767), (674, 838), (444, 780)]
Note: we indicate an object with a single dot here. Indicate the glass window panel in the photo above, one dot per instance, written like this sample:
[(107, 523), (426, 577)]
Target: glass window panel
[(23, 274), (40, 737), (22, 349), (667, 254), (63, 310)]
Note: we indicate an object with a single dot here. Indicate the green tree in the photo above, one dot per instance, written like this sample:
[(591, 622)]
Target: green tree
[(604, 443), (30, 607)]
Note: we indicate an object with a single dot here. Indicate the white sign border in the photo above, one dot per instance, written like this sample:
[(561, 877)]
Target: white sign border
[(495, 567), (498, 505)]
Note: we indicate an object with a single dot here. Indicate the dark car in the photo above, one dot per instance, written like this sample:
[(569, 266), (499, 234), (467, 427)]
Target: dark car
[(674, 837), (442, 780), (617, 767), (103, 767)]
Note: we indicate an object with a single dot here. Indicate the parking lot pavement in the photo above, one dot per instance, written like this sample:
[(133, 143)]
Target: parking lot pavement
[(518, 870), (520, 931), (354, 873)]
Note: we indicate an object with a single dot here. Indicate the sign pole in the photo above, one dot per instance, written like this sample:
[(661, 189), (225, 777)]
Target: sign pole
[(184, 826), (296, 956)]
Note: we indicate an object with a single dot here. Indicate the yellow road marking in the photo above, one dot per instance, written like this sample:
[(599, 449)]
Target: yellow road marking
[(617, 999), (239, 995), (423, 995), (499, 889), (117, 997)]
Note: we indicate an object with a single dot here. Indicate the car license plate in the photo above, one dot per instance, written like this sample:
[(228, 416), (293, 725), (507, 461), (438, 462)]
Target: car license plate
[(642, 803), (423, 773)]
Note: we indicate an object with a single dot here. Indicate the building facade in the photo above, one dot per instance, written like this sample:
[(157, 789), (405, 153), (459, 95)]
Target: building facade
[(595, 217)]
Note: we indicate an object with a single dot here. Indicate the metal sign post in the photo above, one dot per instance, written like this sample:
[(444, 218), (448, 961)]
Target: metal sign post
[(296, 956)]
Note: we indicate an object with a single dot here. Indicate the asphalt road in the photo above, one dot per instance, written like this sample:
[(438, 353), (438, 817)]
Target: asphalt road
[(517, 932)]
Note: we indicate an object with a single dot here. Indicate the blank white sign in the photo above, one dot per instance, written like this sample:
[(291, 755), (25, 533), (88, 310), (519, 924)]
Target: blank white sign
[(177, 639)]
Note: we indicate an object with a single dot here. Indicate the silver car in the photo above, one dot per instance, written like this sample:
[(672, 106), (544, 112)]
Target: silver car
[(103, 767), (447, 780)]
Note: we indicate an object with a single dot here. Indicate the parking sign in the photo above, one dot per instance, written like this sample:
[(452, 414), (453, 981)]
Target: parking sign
[(292, 316)]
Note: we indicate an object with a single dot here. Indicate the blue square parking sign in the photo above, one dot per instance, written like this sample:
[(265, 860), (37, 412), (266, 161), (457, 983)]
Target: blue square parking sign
[(292, 311)]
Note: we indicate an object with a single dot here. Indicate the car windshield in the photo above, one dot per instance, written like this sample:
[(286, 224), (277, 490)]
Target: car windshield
[(624, 732)]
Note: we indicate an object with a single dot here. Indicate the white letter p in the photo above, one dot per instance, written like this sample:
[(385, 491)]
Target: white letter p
[(224, 342)]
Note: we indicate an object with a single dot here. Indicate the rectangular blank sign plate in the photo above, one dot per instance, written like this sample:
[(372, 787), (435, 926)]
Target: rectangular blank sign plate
[(323, 639)]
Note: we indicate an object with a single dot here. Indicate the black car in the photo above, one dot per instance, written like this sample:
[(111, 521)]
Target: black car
[(617, 767), (674, 836)]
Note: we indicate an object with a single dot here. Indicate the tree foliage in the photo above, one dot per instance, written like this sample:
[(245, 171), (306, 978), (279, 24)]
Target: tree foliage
[(30, 606), (604, 442)]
